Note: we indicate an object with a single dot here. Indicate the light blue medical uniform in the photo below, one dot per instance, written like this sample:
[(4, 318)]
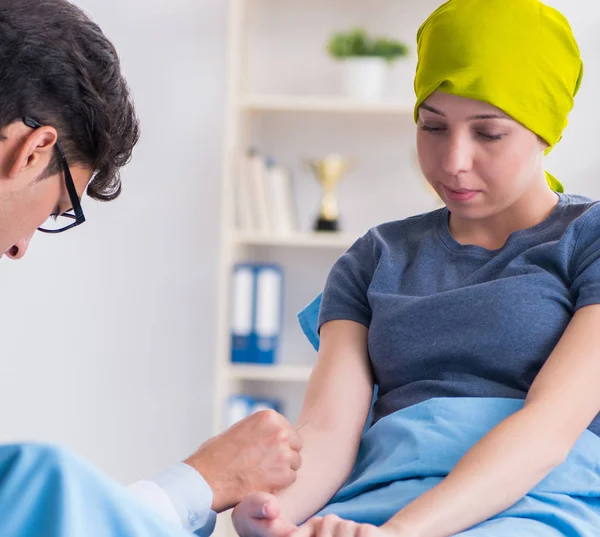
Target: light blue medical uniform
[(45, 491)]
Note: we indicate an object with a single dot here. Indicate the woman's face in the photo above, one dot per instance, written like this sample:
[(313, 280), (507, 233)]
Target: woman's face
[(479, 160)]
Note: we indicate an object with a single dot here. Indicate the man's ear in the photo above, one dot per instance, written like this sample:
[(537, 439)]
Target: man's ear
[(35, 151)]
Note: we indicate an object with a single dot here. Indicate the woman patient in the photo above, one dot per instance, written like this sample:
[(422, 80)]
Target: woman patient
[(479, 322)]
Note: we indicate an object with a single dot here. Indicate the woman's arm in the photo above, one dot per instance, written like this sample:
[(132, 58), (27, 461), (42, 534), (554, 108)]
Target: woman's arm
[(336, 406), (335, 410), (517, 454)]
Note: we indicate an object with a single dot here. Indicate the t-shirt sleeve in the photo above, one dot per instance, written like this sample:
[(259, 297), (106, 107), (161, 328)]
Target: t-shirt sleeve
[(345, 294), (586, 262)]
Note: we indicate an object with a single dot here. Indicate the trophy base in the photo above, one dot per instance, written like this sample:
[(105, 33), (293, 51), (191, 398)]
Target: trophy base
[(327, 225)]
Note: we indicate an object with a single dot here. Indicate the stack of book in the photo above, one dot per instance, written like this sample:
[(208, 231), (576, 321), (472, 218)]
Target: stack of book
[(265, 202), (256, 312)]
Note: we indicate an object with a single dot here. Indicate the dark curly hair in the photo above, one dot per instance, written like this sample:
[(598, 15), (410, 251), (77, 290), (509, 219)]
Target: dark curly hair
[(58, 67)]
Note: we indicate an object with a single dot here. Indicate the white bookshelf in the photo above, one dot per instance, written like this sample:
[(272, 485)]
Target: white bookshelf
[(251, 112), (335, 241), (317, 104), (282, 373), (251, 108)]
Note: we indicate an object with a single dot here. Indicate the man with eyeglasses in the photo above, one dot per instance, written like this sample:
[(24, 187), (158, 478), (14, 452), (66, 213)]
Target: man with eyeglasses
[(67, 125)]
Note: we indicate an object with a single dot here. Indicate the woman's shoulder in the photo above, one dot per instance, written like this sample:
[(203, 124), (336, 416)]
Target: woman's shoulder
[(576, 229), (579, 203), (580, 212)]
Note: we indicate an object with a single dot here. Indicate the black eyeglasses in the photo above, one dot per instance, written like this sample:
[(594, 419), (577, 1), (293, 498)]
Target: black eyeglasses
[(73, 217)]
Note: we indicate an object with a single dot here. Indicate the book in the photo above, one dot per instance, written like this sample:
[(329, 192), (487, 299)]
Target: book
[(282, 212), (268, 318), (256, 313), (242, 312), (258, 192), (244, 210)]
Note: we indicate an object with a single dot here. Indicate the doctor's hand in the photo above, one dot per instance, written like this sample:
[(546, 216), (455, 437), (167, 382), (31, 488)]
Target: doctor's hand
[(259, 515), (259, 454)]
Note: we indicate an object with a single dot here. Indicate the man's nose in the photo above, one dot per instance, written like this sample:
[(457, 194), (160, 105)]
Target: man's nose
[(458, 156), (18, 250)]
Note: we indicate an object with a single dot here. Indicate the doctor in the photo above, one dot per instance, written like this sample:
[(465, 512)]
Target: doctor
[(67, 125)]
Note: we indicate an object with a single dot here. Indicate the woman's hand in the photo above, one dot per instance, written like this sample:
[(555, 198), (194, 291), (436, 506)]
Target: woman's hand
[(334, 526), (259, 515)]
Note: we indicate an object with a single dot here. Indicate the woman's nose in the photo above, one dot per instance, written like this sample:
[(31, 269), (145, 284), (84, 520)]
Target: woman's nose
[(458, 155)]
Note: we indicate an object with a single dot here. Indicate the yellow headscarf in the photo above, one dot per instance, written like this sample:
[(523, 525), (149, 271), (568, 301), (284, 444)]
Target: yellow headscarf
[(518, 55)]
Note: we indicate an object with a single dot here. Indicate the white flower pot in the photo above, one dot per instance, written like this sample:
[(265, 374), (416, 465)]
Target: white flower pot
[(364, 78)]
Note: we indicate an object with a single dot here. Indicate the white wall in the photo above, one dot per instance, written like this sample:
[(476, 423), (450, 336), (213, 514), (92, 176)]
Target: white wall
[(576, 160), (109, 329)]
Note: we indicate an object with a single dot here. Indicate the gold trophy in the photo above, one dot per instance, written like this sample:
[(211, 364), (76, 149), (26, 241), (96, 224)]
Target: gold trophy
[(329, 171)]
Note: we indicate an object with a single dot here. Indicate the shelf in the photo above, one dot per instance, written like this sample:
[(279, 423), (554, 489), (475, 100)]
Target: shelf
[(282, 373), (284, 103), (341, 241)]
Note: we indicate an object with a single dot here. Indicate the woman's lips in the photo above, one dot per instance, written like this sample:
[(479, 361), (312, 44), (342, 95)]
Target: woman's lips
[(460, 195)]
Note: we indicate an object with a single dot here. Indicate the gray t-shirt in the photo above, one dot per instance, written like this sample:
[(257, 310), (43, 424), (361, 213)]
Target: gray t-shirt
[(448, 320)]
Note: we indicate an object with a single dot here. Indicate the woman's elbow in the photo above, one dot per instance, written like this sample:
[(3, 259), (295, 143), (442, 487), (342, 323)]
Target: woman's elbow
[(555, 459), (553, 452)]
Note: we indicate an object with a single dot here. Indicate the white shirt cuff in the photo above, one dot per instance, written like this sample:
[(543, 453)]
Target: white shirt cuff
[(153, 497), (180, 495), (191, 497)]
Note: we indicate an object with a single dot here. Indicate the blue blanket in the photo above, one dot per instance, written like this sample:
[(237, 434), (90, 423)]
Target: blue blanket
[(407, 453)]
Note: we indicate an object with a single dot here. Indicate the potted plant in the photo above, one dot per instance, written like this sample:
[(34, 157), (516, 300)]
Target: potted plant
[(365, 61)]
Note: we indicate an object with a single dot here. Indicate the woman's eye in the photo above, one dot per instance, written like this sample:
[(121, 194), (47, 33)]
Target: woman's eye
[(485, 136), (490, 137), (433, 130)]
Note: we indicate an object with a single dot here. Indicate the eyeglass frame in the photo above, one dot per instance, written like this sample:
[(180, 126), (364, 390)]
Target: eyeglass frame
[(78, 217)]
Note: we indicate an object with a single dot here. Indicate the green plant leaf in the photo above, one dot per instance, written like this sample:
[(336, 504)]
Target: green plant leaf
[(357, 43)]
